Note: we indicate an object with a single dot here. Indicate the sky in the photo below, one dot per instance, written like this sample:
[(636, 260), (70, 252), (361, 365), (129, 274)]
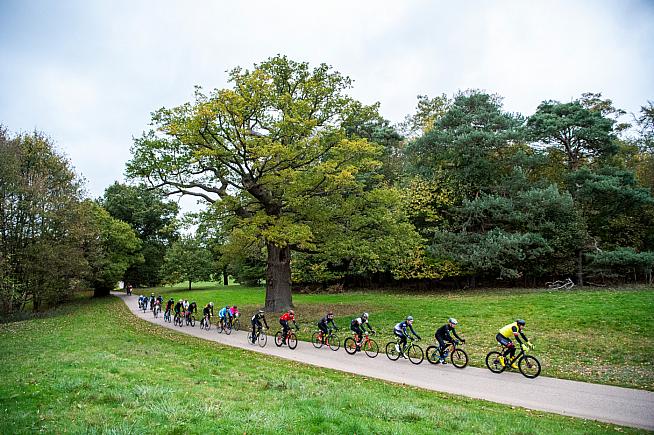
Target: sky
[(89, 73)]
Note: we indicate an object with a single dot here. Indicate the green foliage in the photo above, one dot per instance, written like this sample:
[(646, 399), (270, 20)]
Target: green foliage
[(154, 220), (624, 263), (532, 233), (580, 129), (468, 142), (187, 260), (111, 247)]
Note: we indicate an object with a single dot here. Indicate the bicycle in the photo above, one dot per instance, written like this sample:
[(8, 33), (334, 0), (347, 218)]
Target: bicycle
[(190, 319), (458, 356), (261, 337), (167, 316), (144, 306), (318, 339), (205, 322), (235, 324), (291, 339), (528, 365), (156, 310), (179, 319), (224, 326), (558, 285), (369, 346), (411, 351)]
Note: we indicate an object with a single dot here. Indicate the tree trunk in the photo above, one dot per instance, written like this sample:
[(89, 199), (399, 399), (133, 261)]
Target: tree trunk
[(189, 284), (580, 269), (278, 278), (225, 277)]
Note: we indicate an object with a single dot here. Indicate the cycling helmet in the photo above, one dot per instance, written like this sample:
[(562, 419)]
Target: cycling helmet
[(171, 300), (235, 307), (364, 315), (521, 322), (151, 294), (260, 311), (211, 304), (452, 320), (291, 312), (330, 313), (409, 318), (192, 302), (180, 301), (227, 307)]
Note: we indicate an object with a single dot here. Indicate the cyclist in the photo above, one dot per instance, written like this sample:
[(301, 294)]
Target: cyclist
[(225, 315), (401, 332), (322, 325), (512, 330), (234, 313), (169, 305), (192, 308), (179, 306), (186, 304), (357, 325), (160, 299), (283, 320), (140, 301), (442, 335), (256, 324), (152, 299), (207, 313)]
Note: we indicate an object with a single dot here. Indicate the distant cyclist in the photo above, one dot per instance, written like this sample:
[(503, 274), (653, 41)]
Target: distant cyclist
[(256, 324), (169, 305), (192, 308), (179, 307), (323, 324), (512, 330), (400, 330), (283, 320), (207, 313), (152, 299), (443, 335), (358, 325)]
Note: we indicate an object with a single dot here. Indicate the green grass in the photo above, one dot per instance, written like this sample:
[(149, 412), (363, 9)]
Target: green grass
[(603, 336), (92, 367)]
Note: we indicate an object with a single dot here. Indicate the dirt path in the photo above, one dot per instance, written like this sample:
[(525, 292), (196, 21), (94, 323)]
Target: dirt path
[(623, 406)]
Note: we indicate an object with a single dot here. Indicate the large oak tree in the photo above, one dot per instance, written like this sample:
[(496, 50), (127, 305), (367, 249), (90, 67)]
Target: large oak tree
[(261, 152)]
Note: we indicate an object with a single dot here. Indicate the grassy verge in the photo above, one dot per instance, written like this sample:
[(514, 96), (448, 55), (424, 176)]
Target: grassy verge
[(94, 368), (602, 336)]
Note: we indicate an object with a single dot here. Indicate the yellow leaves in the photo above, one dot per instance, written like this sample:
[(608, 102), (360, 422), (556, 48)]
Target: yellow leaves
[(426, 199), (417, 266)]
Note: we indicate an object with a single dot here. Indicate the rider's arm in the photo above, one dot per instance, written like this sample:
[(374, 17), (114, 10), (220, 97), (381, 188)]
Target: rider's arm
[(264, 322), (457, 335), (333, 324), (413, 332), (517, 336)]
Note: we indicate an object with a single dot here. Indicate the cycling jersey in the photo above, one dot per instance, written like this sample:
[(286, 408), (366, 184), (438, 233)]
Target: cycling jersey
[(512, 330), (234, 311), (169, 305), (178, 307), (322, 324), (444, 333), (223, 313), (193, 308), (207, 311), (287, 316), (401, 328)]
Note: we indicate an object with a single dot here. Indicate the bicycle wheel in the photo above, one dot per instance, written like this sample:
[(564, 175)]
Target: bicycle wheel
[(350, 345), (250, 337), (459, 358), (228, 329), (529, 366), (493, 362), (278, 339), (291, 341), (432, 354), (316, 339), (371, 348), (334, 342), (262, 340), (415, 354), (237, 325), (391, 351), (191, 321)]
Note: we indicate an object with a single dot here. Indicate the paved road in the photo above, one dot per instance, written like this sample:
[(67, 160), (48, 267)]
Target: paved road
[(605, 403)]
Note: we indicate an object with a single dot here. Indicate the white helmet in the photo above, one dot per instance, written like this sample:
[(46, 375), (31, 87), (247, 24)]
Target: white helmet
[(364, 315), (452, 320)]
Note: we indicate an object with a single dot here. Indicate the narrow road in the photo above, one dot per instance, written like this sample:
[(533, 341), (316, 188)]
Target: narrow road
[(623, 406)]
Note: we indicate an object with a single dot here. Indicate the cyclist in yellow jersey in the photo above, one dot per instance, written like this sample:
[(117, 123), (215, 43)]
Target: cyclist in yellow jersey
[(512, 330)]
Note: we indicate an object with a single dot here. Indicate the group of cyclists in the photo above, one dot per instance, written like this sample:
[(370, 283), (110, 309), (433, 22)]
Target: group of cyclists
[(359, 326)]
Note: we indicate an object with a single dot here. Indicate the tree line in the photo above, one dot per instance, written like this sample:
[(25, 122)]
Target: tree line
[(305, 185)]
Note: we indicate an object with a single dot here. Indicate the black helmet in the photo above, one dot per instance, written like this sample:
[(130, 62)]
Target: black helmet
[(521, 322)]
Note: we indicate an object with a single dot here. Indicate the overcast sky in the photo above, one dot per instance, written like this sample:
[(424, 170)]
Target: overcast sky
[(88, 73)]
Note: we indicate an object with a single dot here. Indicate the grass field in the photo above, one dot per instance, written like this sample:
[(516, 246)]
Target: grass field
[(602, 336), (92, 367)]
